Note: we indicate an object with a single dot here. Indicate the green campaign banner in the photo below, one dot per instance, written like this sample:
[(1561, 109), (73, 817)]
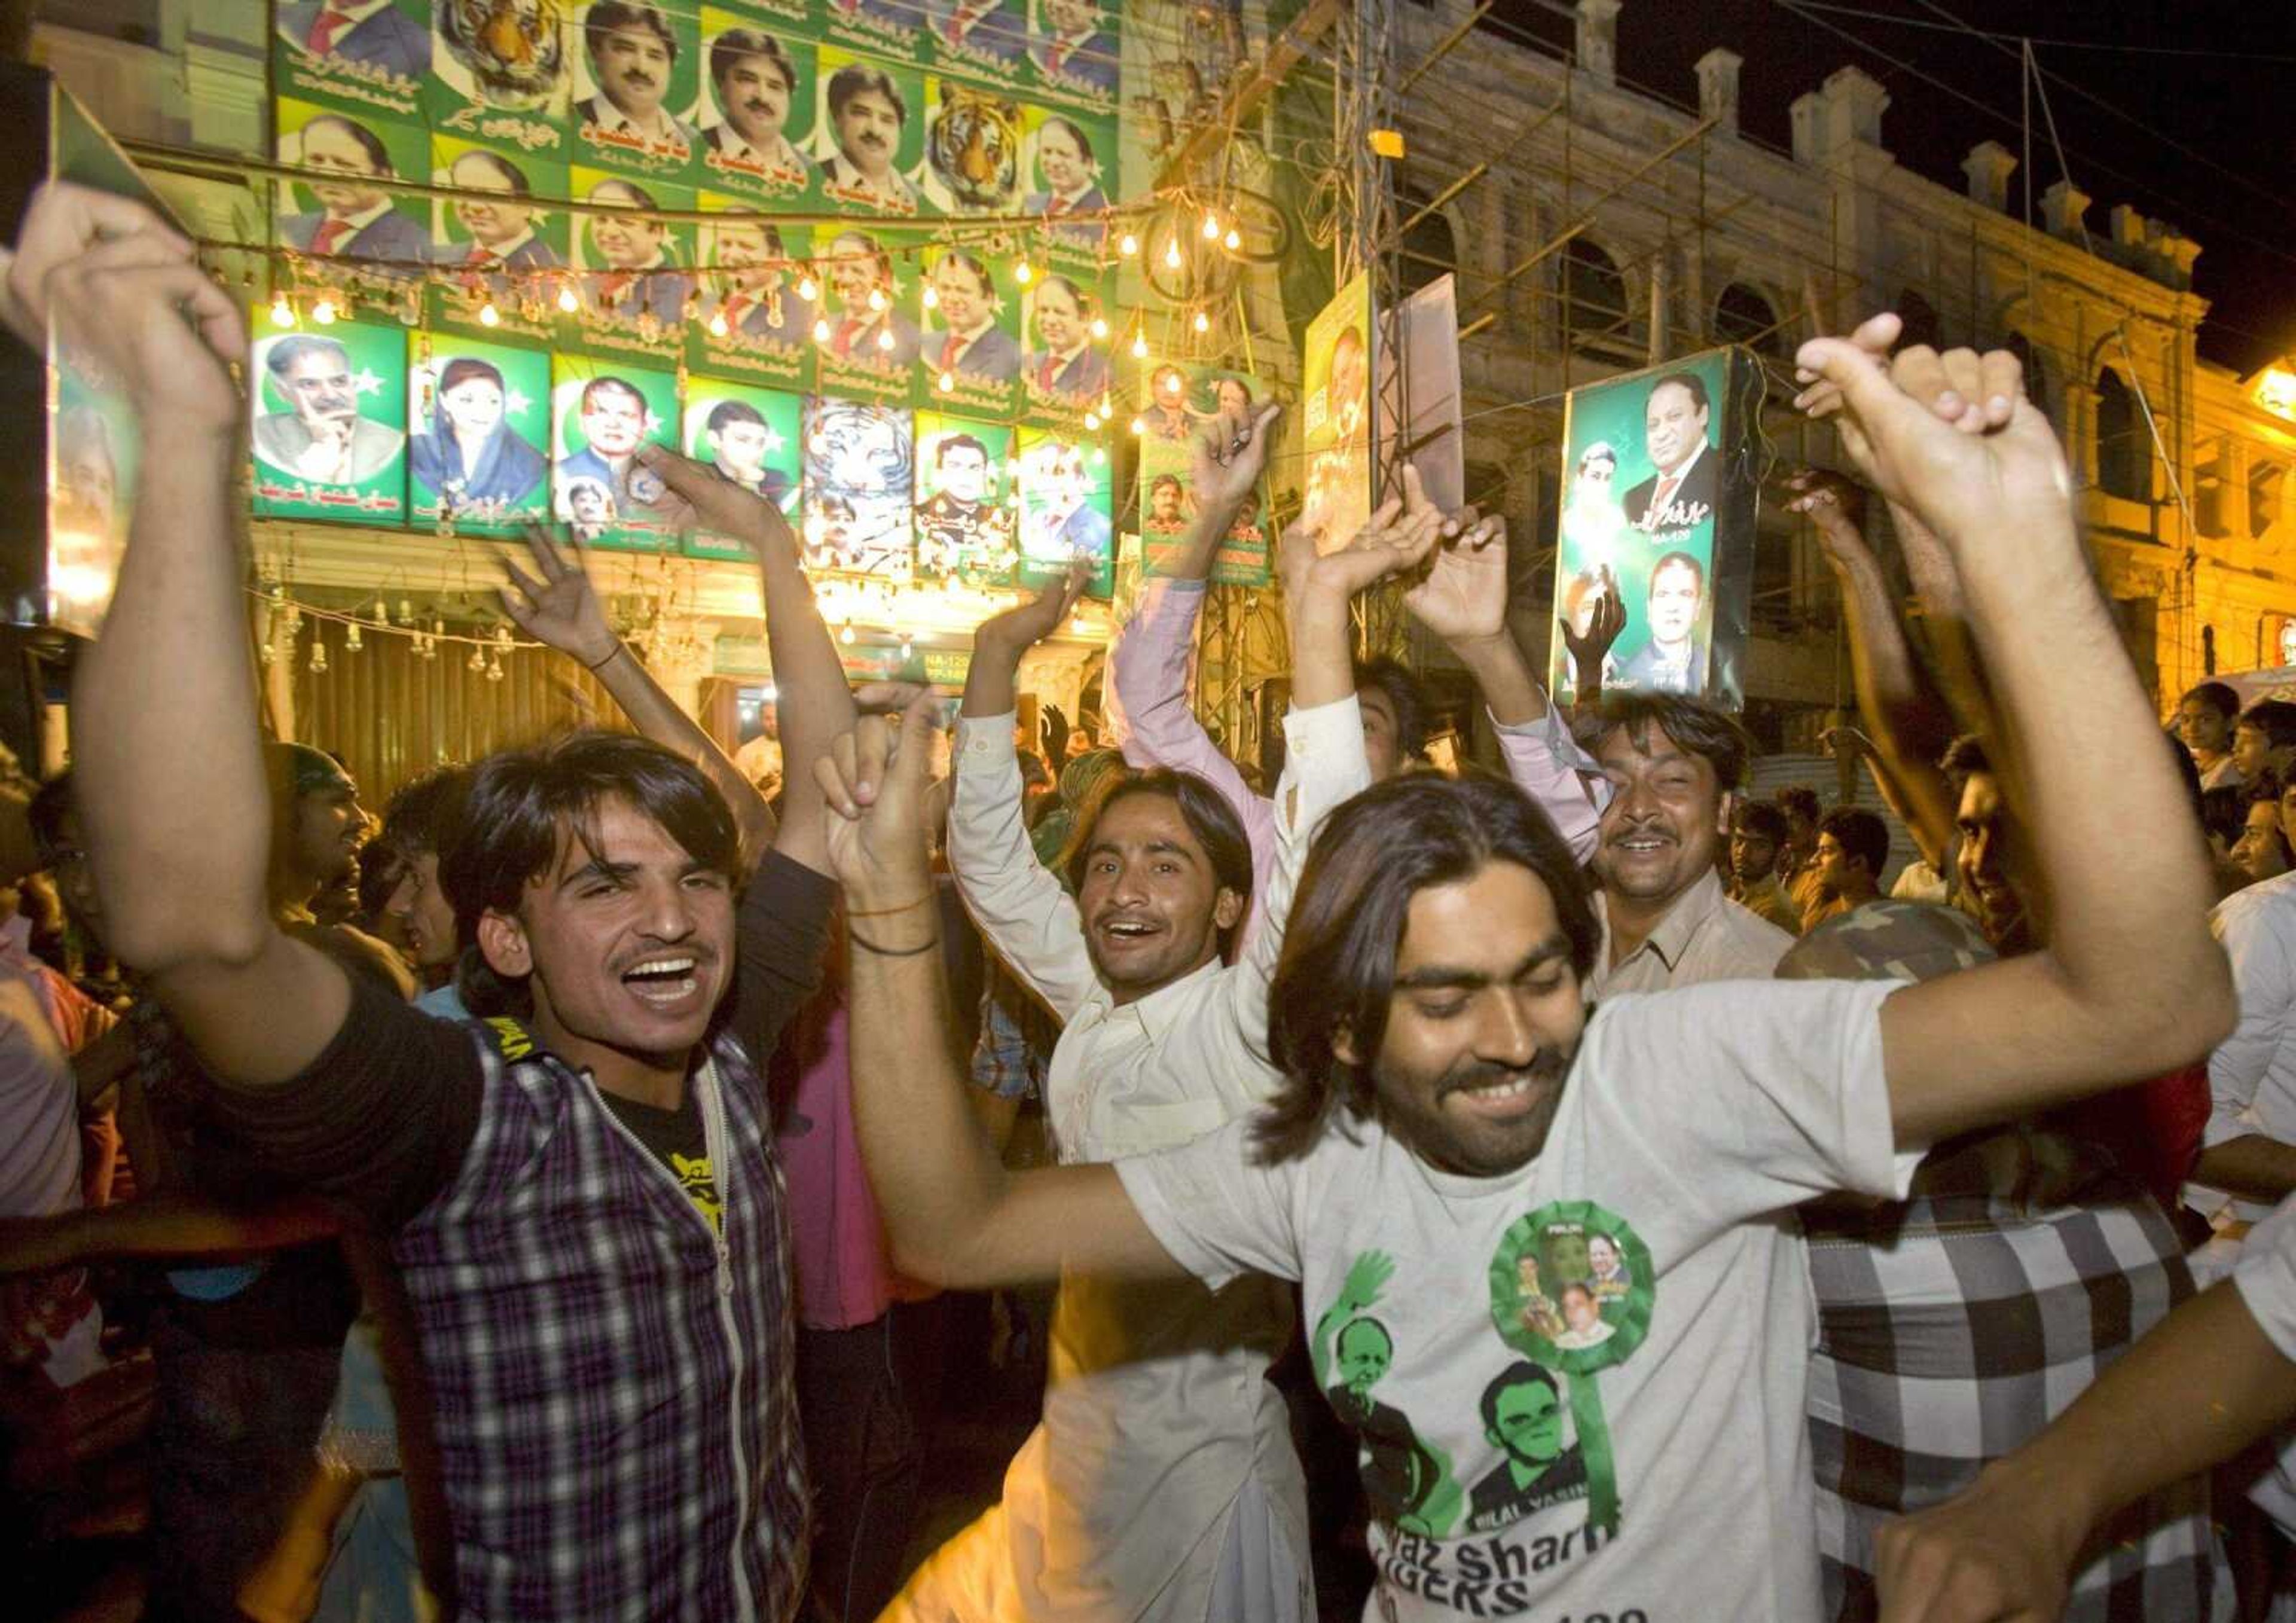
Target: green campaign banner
[(602, 415), (478, 458), (501, 75), (637, 269), (968, 502), (869, 135), (1065, 154), (858, 487), (752, 317), (867, 343), (1075, 52), (371, 65), (752, 436), (352, 228), (893, 29), (633, 65), (496, 246), (756, 110), (1066, 370), (968, 353), (984, 40), (329, 436), (1064, 510), (973, 143)]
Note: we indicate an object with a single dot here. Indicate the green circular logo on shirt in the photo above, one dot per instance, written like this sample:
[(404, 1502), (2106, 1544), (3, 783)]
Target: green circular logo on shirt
[(1571, 1288)]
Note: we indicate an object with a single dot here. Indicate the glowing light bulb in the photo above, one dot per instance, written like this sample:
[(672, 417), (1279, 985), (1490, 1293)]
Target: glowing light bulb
[(1139, 346), (1232, 240), (489, 316), (1098, 455), (1099, 326), (846, 637), (948, 382), (1129, 246), (1107, 407), (283, 314), (1139, 426), (1203, 323), (1172, 260), (809, 290), (323, 312), (885, 339), (718, 327), (1211, 228), (567, 301), (1172, 384), (932, 297), (1022, 271), (1092, 419), (876, 299), (820, 331)]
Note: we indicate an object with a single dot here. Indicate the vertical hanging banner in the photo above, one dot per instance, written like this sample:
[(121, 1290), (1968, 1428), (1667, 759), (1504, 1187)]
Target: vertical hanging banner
[(633, 64), (1658, 511), (478, 453), (329, 436), (602, 415), (967, 501), (752, 319), (368, 59), (636, 278), (495, 245), (752, 436), (1336, 421), (969, 355), (1075, 52), (858, 488), (500, 75), (1064, 510), (756, 109), (869, 134), (1217, 403)]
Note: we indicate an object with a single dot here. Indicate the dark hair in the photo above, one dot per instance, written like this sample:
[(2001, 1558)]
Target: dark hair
[(612, 16), (958, 442), (1964, 760), (2218, 696), (858, 78), (1162, 479), (645, 199), (1521, 1373), (1861, 834), (727, 50), (1762, 820), (731, 411), (525, 805), (1404, 696), (463, 368), (2276, 718), (1339, 1341), (970, 261), (2223, 810), (381, 865), (427, 816), (1690, 380), (504, 167), (367, 141), (1203, 809), (295, 345), (1701, 729), (2187, 772), (2264, 790), (1794, 800), (1083, 300), (599, 386), (1676, 561), (1336, 972), (1076, 134)]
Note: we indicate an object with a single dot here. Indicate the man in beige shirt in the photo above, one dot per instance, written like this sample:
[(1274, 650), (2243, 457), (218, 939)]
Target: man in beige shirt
[(1757, 835)]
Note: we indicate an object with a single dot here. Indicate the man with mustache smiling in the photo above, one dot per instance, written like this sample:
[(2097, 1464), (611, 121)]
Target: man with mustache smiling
[(1452, 1105), (754, 78), (866, 115), (632, 52)]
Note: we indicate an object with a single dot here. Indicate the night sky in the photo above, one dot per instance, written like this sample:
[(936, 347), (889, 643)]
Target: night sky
[(2229, 192)]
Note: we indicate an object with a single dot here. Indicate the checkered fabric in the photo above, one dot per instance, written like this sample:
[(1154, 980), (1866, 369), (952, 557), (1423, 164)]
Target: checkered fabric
[(1954, 1327), (616, 1417)]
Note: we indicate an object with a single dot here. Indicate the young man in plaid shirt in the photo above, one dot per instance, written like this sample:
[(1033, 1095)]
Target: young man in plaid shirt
[(580, 1191)]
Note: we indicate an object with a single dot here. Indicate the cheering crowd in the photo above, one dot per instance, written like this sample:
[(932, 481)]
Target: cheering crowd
[(535, 1208)]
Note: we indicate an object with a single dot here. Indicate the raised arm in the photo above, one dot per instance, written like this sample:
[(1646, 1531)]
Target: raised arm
[(558, 605), (816, 706), (1026, 915), (170, 783), (2131, 984), (953, 1214)]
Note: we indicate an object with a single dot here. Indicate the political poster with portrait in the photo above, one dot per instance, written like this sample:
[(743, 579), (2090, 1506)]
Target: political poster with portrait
[(751, 317), (601, 414), (478, 448), (495, 244), (982, 40), (869, 134), (969, 345), (366, 60), (752, 437), (634, 65), (1657, 516), (1064, 509), (859, 487), (1066, 183), (635, 267), (1075, 52), (345, 216), (1066, 366), (866, 341), (1219, 406), (968, 500), (329, 436), (892, 29), (501, 75), (1335, 418), (973, 141), (755, 113)]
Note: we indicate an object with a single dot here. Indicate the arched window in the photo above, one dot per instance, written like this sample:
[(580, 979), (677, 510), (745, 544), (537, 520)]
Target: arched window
[(1428, 250), (2036, 381), (2124, 463), (1593, 297), (1921, 326), (1742, 316)]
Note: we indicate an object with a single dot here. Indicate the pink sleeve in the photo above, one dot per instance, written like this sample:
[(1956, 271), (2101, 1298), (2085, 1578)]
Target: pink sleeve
[(1547, 764), (1147, 710)]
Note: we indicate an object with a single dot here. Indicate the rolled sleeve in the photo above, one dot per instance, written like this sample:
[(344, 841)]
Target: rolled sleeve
[(1547, 764), (1026, 916)]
